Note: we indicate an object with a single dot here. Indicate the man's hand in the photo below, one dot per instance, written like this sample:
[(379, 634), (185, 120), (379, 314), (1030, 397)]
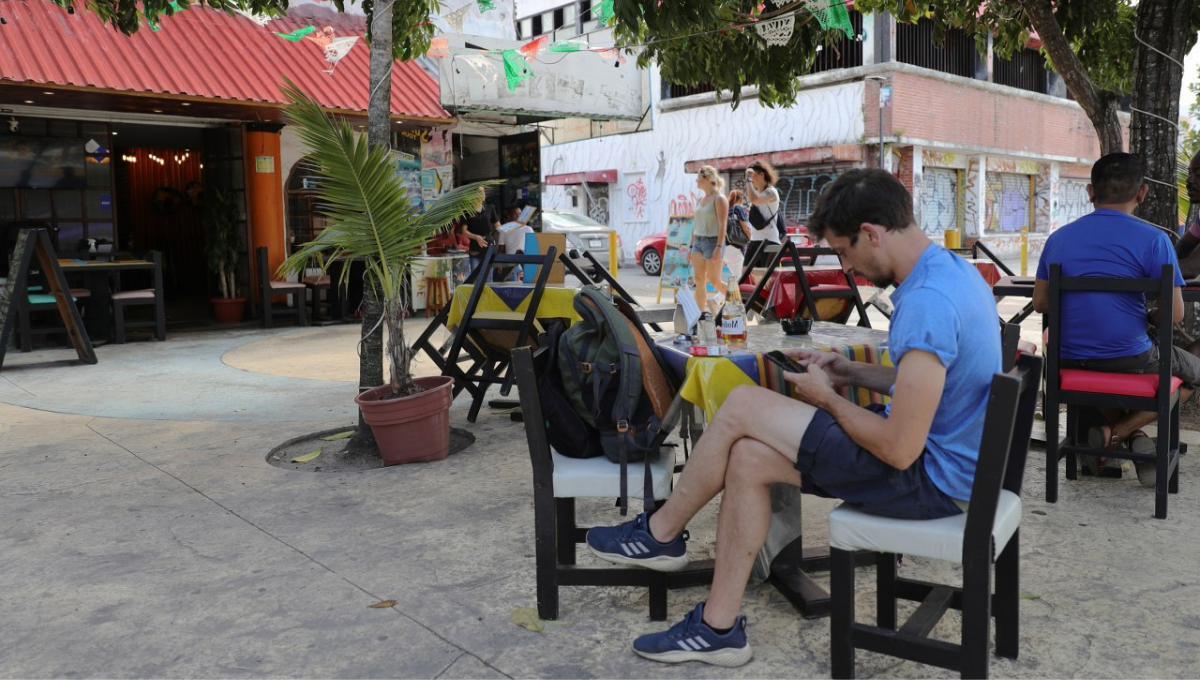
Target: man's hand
[(835, 367), (812, 386)]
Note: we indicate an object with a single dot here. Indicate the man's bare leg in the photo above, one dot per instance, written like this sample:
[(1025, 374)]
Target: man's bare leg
[(777, 421), (743, 523)]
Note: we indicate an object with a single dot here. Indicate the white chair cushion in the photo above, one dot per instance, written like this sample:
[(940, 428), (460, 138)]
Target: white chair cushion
[(144, 294), (601, 478), (939, 539), (287, 285)]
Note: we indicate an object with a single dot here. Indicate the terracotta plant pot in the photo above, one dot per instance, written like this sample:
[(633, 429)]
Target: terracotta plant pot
[(413, 429), (228, 310)]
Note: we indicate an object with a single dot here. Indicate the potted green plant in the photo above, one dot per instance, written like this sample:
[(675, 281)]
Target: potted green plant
[(223, 250), (370, 219)]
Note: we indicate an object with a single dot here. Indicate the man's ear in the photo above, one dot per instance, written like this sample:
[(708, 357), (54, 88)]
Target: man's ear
[(873, 232), (1091, 193), (1141, 195)]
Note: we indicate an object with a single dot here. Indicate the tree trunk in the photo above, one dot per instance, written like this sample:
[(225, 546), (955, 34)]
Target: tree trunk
[(1099, 105), (379, 132), (1157, 79)]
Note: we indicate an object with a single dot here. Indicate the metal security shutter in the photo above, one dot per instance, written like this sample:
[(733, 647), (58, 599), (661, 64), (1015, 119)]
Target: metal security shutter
[(799, 189), (1009, 204), (939, 200), (1073, 200)]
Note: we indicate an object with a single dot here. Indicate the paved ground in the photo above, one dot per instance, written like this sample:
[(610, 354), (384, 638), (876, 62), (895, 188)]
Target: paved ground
[(147, 537)]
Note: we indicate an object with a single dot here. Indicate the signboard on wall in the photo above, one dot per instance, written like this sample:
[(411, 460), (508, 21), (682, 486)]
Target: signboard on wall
[(584, 84)]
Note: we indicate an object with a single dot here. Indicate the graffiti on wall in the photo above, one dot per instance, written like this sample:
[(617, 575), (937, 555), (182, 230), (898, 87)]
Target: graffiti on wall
[(684, 204), (635, 197), (1073, 201), (799, 192), (939, 200), (597, 201), (1008, 202)]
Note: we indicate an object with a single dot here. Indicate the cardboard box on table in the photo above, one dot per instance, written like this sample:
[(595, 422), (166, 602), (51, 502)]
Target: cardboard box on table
[(544, 241)]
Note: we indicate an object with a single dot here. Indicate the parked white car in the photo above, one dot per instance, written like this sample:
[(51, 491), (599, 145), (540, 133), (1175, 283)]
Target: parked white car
[(583, 234)]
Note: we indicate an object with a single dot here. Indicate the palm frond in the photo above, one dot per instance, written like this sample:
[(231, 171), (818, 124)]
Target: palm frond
[(364, 200)]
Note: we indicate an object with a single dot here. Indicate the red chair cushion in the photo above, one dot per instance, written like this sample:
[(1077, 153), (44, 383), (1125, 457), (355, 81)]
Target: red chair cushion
[(1099, 382)]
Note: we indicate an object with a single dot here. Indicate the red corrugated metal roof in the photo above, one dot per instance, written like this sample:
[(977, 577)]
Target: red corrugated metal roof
[(203, 53)]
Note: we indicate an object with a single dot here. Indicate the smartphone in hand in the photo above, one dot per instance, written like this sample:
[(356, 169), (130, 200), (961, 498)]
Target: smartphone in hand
[(784, 361)]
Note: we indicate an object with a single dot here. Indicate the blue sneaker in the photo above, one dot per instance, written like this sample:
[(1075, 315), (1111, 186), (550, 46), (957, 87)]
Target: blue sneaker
[(692, 640), (632, 543)]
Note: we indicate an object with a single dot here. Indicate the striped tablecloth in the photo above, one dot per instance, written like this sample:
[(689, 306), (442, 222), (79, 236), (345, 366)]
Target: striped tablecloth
[(707, 381)]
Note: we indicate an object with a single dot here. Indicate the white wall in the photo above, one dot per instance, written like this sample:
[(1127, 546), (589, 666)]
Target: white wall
[(821, 116)]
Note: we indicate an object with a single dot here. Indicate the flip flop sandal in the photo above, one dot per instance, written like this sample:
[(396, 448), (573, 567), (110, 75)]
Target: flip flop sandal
[(1099, 438), (1140, 442)]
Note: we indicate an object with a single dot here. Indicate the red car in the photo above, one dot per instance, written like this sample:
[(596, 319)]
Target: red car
[(649, 250)]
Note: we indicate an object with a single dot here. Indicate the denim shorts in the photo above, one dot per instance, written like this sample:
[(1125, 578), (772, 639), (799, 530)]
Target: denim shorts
[(705, 245), (833, 466)]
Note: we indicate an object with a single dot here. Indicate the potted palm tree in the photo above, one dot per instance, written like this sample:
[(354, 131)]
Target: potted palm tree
[(370, 219), (223, 250)]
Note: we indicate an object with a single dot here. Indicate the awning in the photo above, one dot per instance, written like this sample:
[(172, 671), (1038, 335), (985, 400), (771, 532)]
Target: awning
[(597, 176)]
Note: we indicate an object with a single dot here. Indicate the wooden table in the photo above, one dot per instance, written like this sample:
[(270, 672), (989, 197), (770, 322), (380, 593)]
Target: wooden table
[(1016, 286), (96, 279), (707, 381)]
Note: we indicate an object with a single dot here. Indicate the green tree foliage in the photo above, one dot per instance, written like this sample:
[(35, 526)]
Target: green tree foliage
[(411, 28), (714, 41)]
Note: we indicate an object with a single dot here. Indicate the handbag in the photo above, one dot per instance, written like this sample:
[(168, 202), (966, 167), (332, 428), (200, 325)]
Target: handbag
[(734, 235), (758, 220)]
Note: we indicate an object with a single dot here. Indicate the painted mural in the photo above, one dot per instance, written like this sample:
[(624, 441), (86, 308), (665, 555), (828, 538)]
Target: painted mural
[(820, 116)]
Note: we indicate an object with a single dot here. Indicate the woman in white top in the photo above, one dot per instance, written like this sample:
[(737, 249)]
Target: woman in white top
[(764, 200), (708, 235)]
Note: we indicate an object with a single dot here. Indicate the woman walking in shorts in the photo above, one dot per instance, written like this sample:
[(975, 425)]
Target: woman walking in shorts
[(708, 235)]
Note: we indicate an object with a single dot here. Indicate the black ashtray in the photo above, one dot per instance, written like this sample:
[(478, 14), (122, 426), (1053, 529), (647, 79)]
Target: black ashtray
[(796, 326)]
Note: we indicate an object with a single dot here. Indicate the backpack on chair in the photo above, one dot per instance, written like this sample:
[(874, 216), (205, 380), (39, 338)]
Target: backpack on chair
[(614, 376)]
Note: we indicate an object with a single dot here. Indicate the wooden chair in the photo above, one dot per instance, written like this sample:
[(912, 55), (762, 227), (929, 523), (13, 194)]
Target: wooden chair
[(489, 338), (1158, 392), (437, 294), (557, 481), (806, 296), (32, 303), (320, 296), (267, 288), (986, 534), (593, 273), (142, 296)]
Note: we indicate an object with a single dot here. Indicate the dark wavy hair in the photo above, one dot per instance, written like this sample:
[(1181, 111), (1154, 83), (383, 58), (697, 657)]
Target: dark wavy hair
[(859, 196), (766, 169)]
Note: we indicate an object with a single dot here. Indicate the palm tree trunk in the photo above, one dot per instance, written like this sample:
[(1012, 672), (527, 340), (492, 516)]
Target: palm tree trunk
[(379, 132)]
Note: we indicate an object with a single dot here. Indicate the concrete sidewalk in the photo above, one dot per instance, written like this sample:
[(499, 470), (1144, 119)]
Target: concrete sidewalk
[(147, 537)]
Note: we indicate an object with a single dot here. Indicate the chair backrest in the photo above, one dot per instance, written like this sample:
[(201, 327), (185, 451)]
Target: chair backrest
[(1010, 334), (811, 253), (1007, 426), (523, 361), (1161, 287)]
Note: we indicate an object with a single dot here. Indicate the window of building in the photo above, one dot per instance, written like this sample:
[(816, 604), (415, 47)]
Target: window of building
[(1027, 70), (939, 200), (536, 29), (1009, 202), (955, 55), (846, 52), (558, 18)]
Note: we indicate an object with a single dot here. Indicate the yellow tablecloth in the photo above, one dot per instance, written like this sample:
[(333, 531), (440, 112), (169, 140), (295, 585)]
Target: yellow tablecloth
[(504, 298)]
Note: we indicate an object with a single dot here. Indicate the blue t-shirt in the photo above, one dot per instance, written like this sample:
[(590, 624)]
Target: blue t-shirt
[(1108, 243), (945, 308)]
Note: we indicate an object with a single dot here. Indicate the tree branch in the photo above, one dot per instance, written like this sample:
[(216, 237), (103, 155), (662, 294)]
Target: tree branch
[(1099, 105)]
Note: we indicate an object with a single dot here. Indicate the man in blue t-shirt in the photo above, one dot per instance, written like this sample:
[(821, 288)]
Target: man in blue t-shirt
[(1107, 331), (914, 459)]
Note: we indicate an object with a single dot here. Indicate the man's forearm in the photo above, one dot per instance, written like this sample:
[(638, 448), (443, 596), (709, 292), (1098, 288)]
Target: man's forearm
[(873, 377)]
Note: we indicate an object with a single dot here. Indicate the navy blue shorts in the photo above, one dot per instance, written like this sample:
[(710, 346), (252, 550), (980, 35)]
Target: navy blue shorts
[(833, 466)]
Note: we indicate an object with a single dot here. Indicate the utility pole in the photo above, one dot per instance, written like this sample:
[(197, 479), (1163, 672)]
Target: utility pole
[(885, 100)]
